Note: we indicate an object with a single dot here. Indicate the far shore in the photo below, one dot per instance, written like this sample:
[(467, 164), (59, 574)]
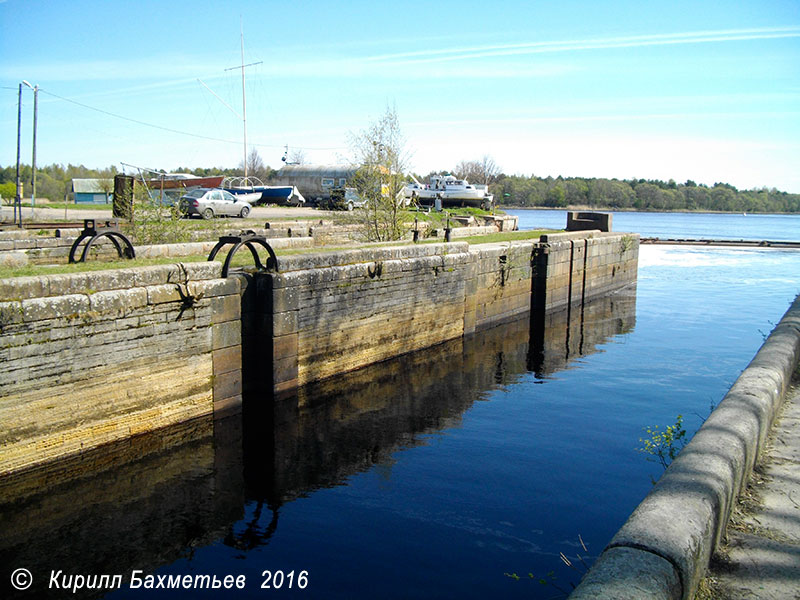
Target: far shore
[(640, 210)]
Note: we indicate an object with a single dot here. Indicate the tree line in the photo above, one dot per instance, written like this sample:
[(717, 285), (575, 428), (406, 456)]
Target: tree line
[(53, 183), (637, 194)]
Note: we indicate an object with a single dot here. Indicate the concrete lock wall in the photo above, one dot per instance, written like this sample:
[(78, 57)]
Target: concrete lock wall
[(578, 266), (331, 313), (16, 252), (91, 358), (663, 550)]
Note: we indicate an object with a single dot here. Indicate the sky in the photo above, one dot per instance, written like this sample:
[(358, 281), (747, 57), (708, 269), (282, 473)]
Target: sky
[(702, 90)]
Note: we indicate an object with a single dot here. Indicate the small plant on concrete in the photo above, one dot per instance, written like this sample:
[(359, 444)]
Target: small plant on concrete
[(664, 446), (154, 223), (625, 244)]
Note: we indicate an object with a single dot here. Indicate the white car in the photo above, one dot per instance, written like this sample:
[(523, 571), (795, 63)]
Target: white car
[(210, 203)]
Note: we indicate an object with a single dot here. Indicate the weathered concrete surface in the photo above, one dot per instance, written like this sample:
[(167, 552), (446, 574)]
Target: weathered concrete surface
[(93, 358), (333, 312), (47, 250), (629, 574), (685, 515), (762, 552)]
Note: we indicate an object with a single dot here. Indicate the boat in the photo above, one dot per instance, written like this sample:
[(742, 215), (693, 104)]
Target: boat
[(167, 188), (450, 190), (282, 194), (248, 189), (253, 191), (182, 181)]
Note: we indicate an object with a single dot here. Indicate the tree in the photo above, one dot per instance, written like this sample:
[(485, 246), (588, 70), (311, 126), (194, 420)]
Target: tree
[(8, 191), (483, 171), (296, 157), (380, 158), (106, 185), (255, 166), (556, 197)]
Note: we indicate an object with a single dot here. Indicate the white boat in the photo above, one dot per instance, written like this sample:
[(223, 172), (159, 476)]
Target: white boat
[(450, 190), (249, 189)]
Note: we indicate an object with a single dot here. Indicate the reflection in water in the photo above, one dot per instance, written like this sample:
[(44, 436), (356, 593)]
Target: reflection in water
[(155, 499), (138, 504), (558, 337)]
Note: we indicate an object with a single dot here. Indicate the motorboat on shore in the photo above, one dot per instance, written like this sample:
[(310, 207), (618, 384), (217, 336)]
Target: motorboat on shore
[(450, 190)]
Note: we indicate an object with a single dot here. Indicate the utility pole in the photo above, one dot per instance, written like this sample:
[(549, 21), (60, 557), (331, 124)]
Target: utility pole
[(17, 198), (33, 166)]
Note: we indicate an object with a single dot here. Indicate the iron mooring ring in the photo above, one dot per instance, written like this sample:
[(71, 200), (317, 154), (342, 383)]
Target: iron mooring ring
[(94, 233), (247, 239)]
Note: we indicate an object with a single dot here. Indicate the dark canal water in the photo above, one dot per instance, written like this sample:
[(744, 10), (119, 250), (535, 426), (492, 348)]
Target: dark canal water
[(429, 476)]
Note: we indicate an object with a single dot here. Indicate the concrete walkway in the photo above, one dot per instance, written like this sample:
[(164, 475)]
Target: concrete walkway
[(762, 556)]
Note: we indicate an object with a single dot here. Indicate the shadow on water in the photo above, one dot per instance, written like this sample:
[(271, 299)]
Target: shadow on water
[(157, 498)]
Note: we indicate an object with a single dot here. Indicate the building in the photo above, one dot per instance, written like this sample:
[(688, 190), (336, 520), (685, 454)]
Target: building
[(92, 190), (314, 182)]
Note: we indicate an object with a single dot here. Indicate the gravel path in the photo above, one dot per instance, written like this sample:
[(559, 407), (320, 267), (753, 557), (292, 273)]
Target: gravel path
[(53, 214), (762, 557)]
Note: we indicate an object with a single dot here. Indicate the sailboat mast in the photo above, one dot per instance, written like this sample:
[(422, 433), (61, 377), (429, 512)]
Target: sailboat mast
[(244, 100)]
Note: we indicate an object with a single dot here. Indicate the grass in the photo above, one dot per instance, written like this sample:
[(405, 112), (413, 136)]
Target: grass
[(243, 258), (505, 236), (71, 206), (27, 270)]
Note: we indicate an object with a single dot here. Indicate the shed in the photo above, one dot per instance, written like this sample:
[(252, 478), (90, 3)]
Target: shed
[(92, 190), (315, 182)]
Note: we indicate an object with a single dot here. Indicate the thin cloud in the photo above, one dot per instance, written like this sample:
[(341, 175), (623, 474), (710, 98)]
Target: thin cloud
[(515, 121), (484, 51)]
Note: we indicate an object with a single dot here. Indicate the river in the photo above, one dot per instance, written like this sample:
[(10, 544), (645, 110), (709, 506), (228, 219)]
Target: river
[(680, 225), (433, 475)]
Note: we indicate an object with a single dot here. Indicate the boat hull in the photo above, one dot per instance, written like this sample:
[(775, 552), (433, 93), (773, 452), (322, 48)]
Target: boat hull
[(172, 184), (249, 195)]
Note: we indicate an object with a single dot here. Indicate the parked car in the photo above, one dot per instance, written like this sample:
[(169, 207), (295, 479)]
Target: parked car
[(212, 202), (344, 199)]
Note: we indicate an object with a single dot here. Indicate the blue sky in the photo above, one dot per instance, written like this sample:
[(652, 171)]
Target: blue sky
[(702, 90)]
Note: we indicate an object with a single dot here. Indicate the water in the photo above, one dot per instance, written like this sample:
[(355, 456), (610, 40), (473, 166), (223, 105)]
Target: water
[(425, 477), (681, 225)]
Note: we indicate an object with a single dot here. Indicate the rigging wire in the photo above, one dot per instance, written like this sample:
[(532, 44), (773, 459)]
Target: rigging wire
[(169, 129)]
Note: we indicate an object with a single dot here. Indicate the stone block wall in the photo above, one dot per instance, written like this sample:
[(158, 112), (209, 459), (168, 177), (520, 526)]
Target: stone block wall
[(92, 358), (43, 250), (326, 314), (575, 267), (336, 312), (501, 289)]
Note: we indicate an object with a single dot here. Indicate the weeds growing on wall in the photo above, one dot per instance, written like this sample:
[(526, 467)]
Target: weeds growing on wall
[(154, 223)]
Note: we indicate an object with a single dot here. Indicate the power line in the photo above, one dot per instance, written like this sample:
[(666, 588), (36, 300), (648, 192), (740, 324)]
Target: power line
[(169, 129)]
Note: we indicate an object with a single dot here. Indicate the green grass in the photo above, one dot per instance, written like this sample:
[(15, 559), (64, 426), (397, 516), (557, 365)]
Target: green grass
[(242, 258), (8, 272), (506, 236), (70, 206)]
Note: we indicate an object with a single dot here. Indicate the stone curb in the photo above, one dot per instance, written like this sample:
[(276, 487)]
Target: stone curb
[(682, 519)]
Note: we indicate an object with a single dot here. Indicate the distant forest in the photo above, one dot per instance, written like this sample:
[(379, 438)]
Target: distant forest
[(53, 183), (638, 194)]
